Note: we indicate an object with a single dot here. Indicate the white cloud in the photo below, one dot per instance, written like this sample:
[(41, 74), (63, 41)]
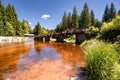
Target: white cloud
[(45, 16), (29, 22)]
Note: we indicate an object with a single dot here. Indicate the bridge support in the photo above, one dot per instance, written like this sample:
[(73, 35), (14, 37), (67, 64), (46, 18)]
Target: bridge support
[(38, 38), (47, 38), (85, 36), (80, 38), (60, 38)]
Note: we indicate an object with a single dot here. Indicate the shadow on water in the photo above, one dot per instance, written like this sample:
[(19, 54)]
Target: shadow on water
[(81, 73)]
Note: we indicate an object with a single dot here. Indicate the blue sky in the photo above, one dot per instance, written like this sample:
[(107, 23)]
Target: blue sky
[(49, 12)]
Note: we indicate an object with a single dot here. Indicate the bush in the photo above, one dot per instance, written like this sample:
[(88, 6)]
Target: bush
[(92, 29), (117, 39), (117, 47), (109, 31), (100, 60)]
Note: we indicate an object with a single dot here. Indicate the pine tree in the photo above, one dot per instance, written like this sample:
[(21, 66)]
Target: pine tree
[(98, 23), (58, 28), (9, 30), (106, 16), (25, 27), (9, 13), (2, 11), (6, 29), (64, 21), (75, 17), (69, 20), (119, 12), (80, 21), (92, 18), (9, 21), (37, 29), (12, 18), (30, 30), (2, 19), (84, 20), (112, 12)]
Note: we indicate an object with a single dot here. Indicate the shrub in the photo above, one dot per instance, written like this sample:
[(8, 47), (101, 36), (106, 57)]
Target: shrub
[(92, 29), (109, 31), (100, 60), (117, 39), (117, 47)]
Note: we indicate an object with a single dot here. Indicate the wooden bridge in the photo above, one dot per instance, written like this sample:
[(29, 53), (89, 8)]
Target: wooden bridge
[(79, 33)]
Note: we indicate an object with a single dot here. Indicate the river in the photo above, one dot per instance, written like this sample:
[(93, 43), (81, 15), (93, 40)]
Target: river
[(40, 61)]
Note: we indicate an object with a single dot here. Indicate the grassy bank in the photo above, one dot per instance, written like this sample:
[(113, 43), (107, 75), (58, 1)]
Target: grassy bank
[(71, 39), (101, 60)]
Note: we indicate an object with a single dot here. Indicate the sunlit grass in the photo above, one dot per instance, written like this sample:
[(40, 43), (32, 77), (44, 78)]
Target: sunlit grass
[(101, 60), (71, 39)]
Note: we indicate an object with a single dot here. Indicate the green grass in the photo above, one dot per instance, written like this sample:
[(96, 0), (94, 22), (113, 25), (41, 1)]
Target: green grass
[(71, 39), (101, 60)]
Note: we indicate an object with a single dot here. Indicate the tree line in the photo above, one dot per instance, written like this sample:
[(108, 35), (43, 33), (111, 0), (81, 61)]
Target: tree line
[(9, 23), (11, 26), (39, 30), (85, 19)]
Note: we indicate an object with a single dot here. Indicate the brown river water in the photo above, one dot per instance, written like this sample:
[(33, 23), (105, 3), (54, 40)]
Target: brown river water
[(40, 61)]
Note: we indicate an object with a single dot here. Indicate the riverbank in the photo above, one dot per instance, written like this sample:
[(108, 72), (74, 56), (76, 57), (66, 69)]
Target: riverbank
[(14, 39), (11, 39), (102, 59)]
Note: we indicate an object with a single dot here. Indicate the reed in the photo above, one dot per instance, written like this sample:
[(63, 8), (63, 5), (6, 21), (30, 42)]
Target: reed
[(101, 60)]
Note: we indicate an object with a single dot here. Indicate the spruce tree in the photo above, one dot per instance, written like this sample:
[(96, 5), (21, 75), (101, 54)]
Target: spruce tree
[(69, 20), (80, 21), (25, 27), (92, 18), (106, 15), (17, 24), (84, 20), (119, 12), (9, 30), (64, 21), (9, 21), (58, 28), (98, 23), (9, 13), (37, 29), (112, 12), (2, 19), (12, 18), (30, 30), (75, 17)]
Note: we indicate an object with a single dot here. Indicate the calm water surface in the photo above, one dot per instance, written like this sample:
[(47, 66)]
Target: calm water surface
[(16, 58)]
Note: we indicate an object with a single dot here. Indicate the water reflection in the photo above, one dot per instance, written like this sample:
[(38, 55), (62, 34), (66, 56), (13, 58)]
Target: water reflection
[(22, 56), (37, 47), (72, 54), (9, 57)]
